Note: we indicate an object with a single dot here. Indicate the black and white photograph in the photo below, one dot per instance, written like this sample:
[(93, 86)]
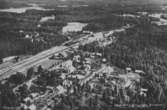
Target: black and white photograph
[(83, 54)]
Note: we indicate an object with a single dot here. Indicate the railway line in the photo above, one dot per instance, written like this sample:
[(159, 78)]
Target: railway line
[(22, 66)]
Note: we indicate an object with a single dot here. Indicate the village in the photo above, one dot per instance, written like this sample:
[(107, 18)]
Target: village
[(83, 74)]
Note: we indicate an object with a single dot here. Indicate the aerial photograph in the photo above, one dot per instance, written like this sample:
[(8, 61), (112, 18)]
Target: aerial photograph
[(83, 54)]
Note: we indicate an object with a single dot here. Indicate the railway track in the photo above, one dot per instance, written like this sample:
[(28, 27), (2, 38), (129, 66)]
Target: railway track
[(36, 60)]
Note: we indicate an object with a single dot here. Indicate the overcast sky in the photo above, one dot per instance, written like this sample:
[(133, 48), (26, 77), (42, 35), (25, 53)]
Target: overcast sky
[(111, 1)]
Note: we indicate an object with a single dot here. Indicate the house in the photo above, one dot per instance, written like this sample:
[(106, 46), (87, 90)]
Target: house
[(128, 69), (29, 107), (87, 32), (88, 61), (77, 58), (62, 55), (87, 67), (67, 83), (104, 60), (32, 107), (68, 65), (129, 79), (28, 36), (108, 70), (21, 31), (143, 92), (38, 25), (140, 72), (28, 99), (98, 54), (61, 89), (34, 95)]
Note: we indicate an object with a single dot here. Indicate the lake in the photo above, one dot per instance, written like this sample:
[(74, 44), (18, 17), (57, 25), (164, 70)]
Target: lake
[(24, 9)]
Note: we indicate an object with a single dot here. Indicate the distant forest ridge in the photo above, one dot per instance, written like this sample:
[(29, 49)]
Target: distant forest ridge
[(5, 3)]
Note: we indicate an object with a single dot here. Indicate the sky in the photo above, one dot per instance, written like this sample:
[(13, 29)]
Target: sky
[(4, 2), (137, 1)]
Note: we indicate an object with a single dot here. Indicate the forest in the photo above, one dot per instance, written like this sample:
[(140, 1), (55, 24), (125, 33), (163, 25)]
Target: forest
[(141, 47), (14, 27)]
